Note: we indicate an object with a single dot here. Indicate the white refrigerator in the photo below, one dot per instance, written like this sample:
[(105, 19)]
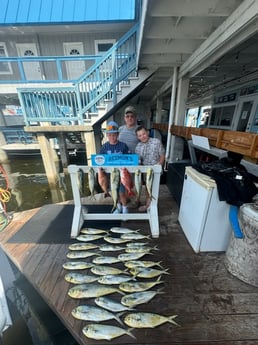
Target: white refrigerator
[(203, 217)]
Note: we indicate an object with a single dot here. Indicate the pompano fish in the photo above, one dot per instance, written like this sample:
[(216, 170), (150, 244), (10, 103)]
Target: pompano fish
[(120, 230), (138, 182), (130, 256), (147, 320), (115, 240), (137, 244), (77, 265), (139, 263), (133, 299), (91, 313), (138, 286), (127, 181), (147, 272), (114, 185), (88, 238), (110, 248), (93, 231), (100, 260), (80, 254), (78, 278), (91, 290), (82, 246), (134, 236), (103, 181), (104, 332), (91, 181), (113, 279), (140, 249), (149, 181), (102, 270), (110, 304)]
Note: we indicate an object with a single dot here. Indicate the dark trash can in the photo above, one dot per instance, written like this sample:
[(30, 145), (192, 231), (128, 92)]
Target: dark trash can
[(241, 258)]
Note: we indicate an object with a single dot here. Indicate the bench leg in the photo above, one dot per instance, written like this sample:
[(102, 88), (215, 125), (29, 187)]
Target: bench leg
[(154, 220)]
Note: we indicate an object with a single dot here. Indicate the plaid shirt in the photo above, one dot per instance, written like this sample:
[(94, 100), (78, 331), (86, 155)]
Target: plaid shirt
[(150, 152)]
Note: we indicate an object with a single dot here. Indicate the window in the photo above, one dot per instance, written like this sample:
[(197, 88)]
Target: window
[(5, 67), (101, 46)]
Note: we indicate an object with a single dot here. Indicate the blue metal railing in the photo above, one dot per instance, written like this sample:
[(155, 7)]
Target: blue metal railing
[(17, 135), (78, 103)]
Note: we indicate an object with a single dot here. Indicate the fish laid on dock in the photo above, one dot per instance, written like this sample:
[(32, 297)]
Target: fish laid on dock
[(147, 320), (100, 260), (77, 265), (80, 254), (130, 256), (93, 231), (113, 279), (91, 290), (79, 278), (147, 272), (138, 286), (110, 248), (91, 313), (121, 230), (115, 240), (133, 299), (139, 263), (102, 270), (110, 304), (82, 246), (104, 332), (89, 238)]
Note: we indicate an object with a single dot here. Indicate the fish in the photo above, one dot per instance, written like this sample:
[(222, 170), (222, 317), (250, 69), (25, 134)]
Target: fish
[(112, 279), (110, 304), (149, 181), (103, 181), (147, 320), (133, 299), (88, 238), (134, 236), (77, 265), (82, 246), (127, 181), (91, 290), (93, 231), (104, 332), (147, 272), (100, 260), (138, 182), (91, 182), (104, 270), (114, 185), (80, 254), (110, 248), (78, 278), (139, 249), (138, 286), (115, 240), (138, 263), (81, 181), (135, 244), (92, 313), (130, 256), (120, 230)]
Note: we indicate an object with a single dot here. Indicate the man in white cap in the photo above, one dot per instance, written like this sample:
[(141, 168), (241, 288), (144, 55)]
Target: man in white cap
[(127, 132)]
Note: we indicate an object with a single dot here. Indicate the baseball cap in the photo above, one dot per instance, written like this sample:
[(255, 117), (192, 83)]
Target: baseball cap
[(112, 127), (130, 109)]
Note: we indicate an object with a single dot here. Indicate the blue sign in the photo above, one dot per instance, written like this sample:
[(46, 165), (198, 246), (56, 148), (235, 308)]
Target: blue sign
[(114, 159)]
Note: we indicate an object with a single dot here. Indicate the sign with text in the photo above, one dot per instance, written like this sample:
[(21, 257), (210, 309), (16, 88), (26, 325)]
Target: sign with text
[(114, 159)]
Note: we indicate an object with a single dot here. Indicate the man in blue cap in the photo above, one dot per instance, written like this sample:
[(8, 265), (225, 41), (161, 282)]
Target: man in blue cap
[(113, 145)]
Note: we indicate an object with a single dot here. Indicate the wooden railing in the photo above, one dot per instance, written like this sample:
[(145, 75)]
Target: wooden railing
[(245, 143)]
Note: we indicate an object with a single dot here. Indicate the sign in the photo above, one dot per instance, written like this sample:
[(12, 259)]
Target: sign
[(114, 159)]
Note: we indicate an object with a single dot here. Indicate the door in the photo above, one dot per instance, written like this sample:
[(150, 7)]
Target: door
[(74, 68), (246, 108), (32, 69), (254, 124)]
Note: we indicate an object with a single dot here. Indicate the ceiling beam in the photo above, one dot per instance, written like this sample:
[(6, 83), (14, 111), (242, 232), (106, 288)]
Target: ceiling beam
[(236, 28)]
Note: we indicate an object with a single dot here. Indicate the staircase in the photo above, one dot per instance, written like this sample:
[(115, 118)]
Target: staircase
[(95, 95)]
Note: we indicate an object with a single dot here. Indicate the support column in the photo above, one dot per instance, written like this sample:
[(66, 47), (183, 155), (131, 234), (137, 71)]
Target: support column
[(90, 145), (177, 143), (63, 149), (159, 106), (50, 160)]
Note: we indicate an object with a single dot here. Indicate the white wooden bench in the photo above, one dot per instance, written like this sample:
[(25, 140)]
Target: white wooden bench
[(81, 214)]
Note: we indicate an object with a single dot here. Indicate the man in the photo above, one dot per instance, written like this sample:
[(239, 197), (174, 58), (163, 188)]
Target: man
[(127, 132)]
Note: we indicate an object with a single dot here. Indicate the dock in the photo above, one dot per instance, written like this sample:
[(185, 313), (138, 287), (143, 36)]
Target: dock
[(212, 306)]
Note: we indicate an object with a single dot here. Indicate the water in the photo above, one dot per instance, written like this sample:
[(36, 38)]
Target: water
[(34, 323)]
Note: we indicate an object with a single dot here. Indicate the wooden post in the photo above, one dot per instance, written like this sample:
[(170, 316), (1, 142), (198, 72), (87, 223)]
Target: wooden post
[(49, 158), (90, 144)]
